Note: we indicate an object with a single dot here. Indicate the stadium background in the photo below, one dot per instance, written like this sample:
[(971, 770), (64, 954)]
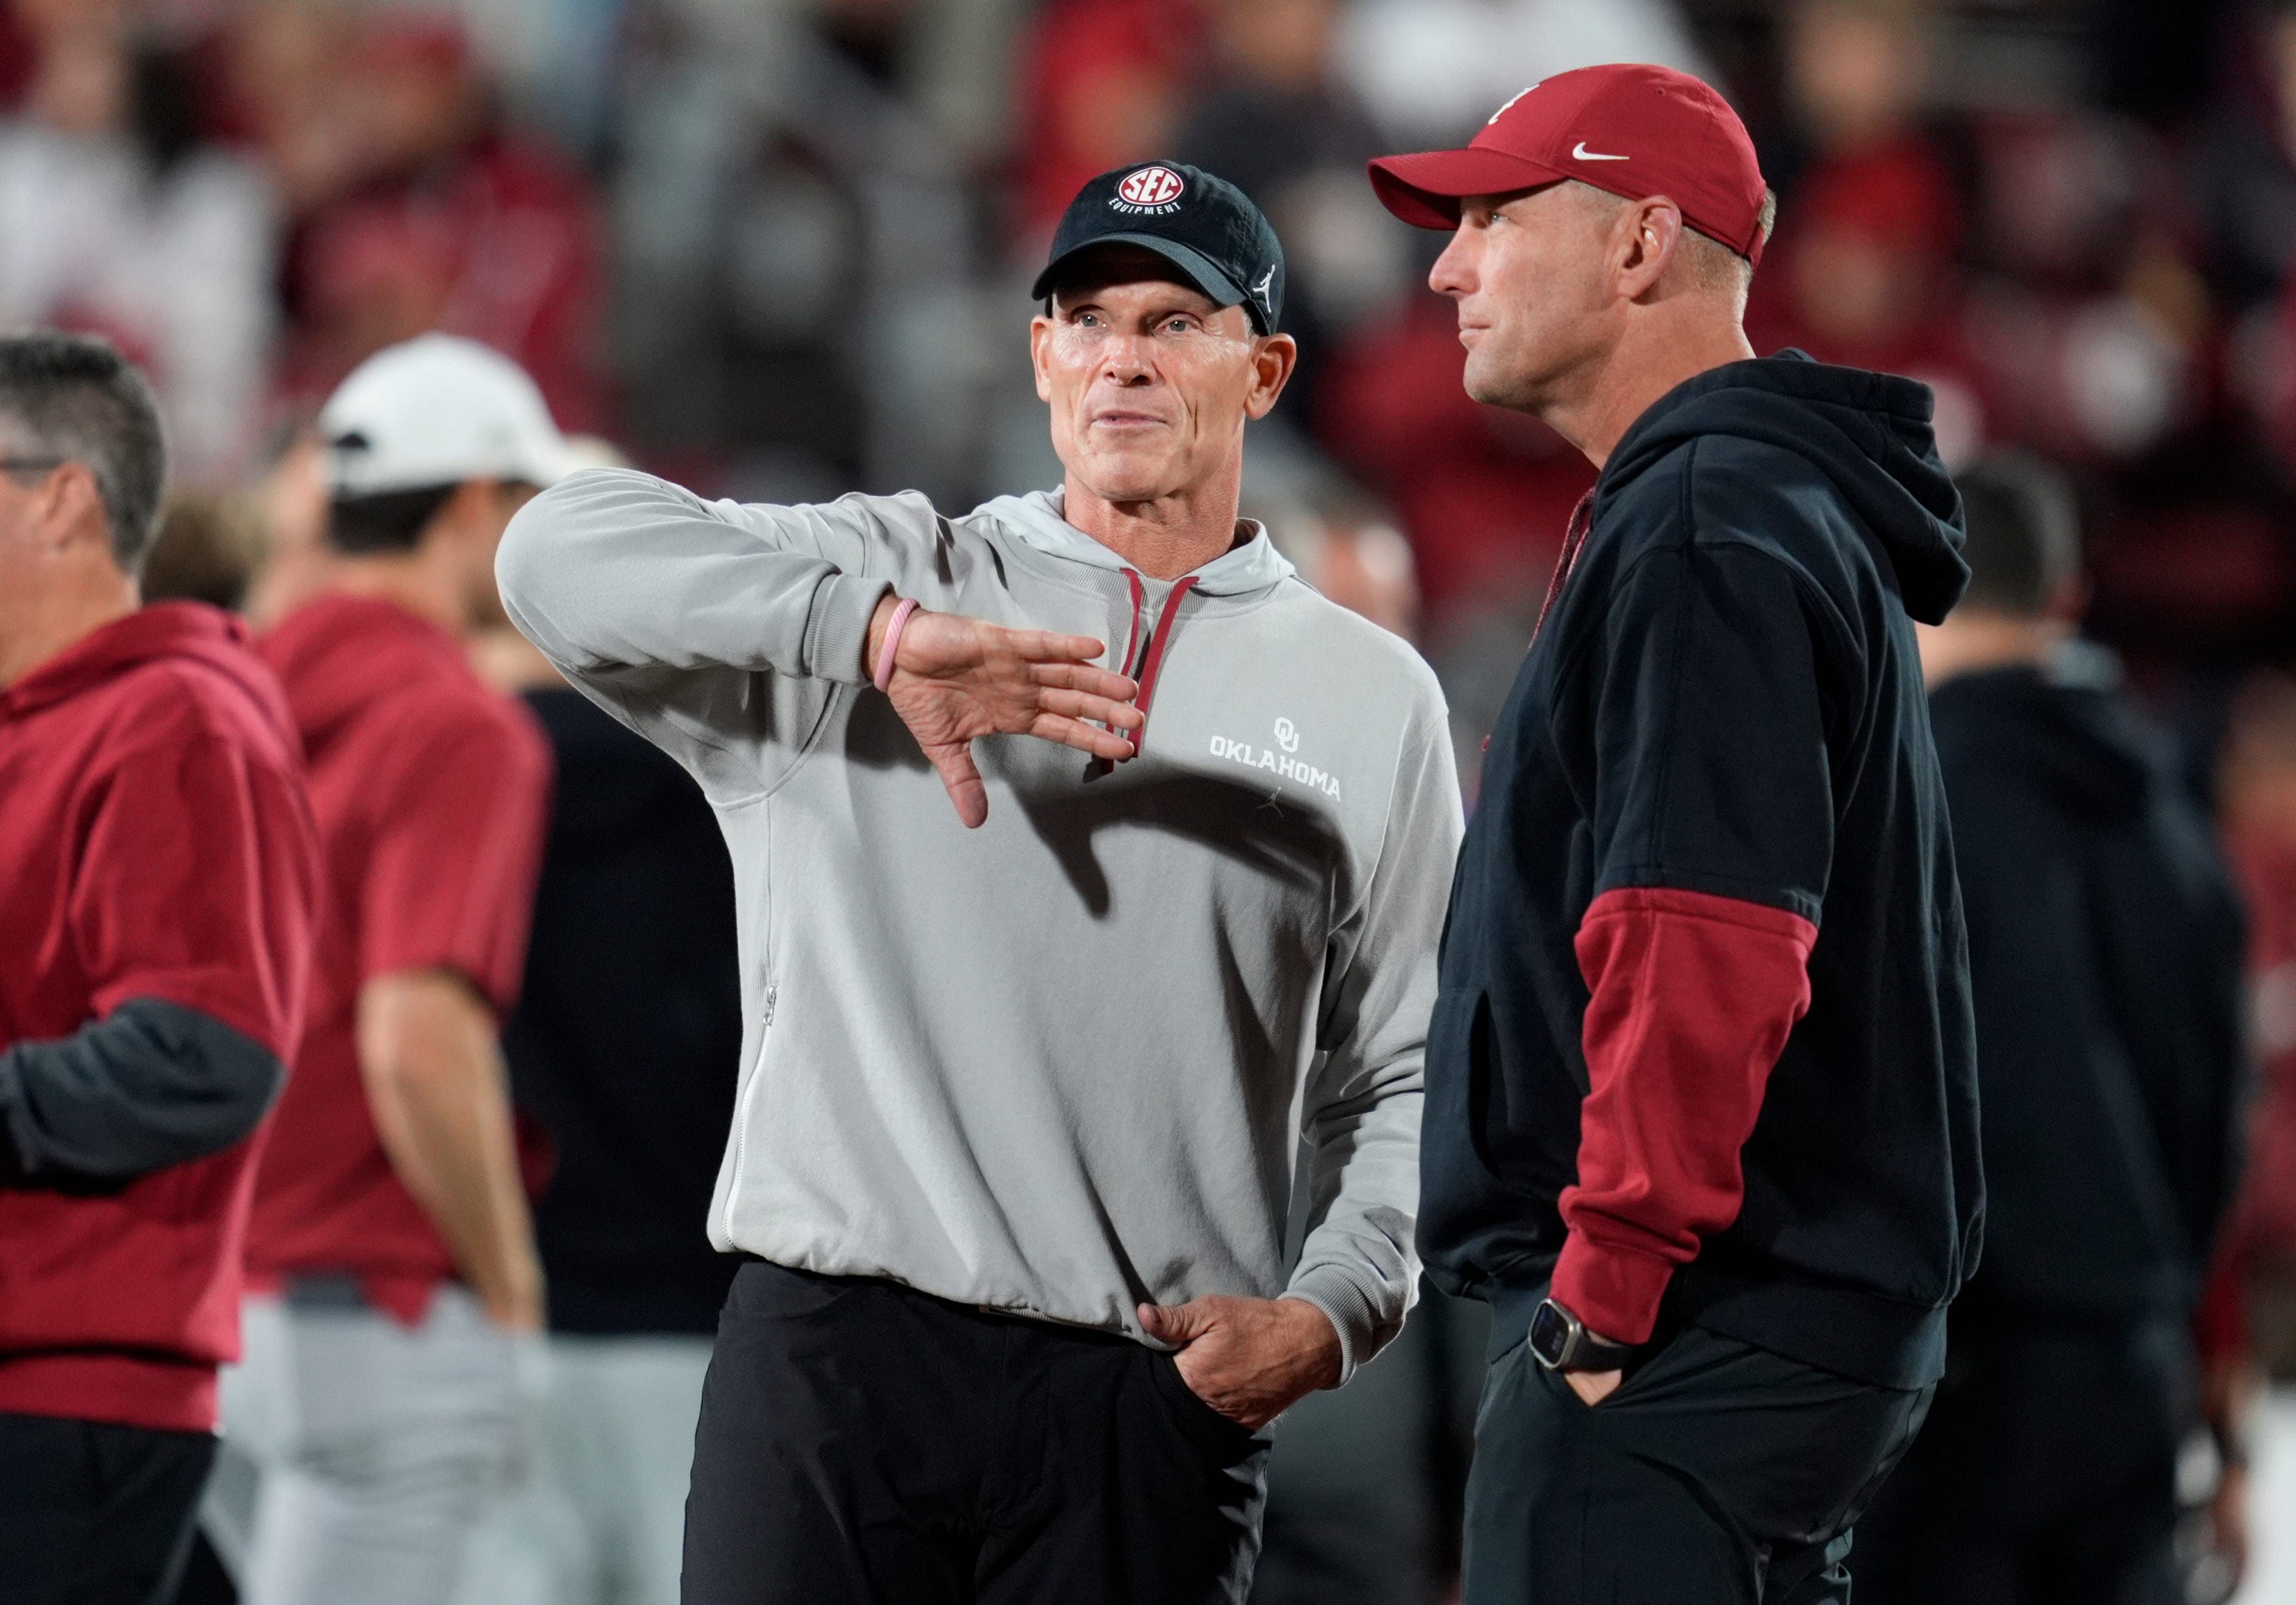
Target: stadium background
[(778, 249)]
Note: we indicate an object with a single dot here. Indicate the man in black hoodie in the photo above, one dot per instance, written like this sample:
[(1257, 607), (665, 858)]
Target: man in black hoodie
[(2105, 947), (1701, 1105)]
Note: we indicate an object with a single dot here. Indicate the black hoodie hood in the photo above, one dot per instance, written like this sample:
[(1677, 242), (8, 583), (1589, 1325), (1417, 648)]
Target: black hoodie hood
[(2065, 726), (1870, 435)]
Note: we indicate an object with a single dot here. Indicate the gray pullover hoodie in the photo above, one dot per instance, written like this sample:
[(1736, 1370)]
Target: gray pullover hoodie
[(1154, 1031)]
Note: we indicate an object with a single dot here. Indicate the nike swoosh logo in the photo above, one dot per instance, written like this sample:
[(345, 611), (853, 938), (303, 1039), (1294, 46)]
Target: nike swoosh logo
[(1581, 152)]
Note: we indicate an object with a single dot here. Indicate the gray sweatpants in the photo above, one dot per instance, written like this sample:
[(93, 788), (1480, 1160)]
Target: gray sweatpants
[(375, 1449), (603, 1520)]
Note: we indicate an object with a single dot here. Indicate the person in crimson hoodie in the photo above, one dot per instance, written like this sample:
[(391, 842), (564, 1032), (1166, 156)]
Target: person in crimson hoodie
[(160, 872), (399, 1286), (1702, 1102)]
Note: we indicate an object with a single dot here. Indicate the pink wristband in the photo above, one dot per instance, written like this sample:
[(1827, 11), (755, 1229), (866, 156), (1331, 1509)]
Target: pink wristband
[(893, 643)]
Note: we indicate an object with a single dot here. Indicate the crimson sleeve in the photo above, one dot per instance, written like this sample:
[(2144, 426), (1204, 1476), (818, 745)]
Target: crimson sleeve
[(1693, 995), (196, 883), (1712, 826), (457, 850)]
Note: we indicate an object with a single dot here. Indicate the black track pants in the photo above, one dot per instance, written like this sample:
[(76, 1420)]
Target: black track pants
[(2046, 1474), (862, 1444), (92, 1513), (1717, 1474)]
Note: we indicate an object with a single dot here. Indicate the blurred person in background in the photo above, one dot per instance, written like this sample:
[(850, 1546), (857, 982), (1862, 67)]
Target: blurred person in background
[(161, 876), (288, 505), (1717, 1177), (209, 549), (2250, 1332), (116, 219), (1857, 78), (390, 1239), (2105, 957), (1431, 70), (1864, 270), (1101, 83), (2244, 160), (1276, 119), (1363, 1483), (429, 213), (625, 1049), (1029, 1118)]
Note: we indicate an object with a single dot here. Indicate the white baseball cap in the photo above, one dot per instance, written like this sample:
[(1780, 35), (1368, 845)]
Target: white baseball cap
[(439, 410)]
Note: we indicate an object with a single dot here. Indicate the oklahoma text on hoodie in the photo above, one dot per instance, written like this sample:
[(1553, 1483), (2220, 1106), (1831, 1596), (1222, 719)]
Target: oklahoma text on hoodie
[(1705, 991), (159, 877), (2105, 952), (1090, 1054)]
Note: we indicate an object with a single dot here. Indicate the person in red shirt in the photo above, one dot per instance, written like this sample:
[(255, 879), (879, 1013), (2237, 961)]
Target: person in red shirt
[(391, 1245), (159, 873)]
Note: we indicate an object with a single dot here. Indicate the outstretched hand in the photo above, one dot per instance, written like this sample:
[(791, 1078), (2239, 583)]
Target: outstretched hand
[(955, 679)]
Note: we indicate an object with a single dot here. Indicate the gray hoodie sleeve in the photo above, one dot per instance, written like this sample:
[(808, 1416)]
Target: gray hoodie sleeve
[(1360, 1121), (667, 610)]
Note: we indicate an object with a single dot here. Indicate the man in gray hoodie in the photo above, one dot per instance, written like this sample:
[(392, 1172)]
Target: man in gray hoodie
[(1069, 1152)]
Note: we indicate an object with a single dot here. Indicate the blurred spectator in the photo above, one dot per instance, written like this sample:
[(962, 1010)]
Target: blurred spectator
[(2245, 171), (114, 219), (799, 308), (207, 550), (444, 219), (1863, 276), (1433, 71), (290, 506), (2258, 1273), (1347, 548), (1856, 73), (1863, 270), (1483, 494), (2105, 957), (1278, 124), (625, 1047), (1102, 81)]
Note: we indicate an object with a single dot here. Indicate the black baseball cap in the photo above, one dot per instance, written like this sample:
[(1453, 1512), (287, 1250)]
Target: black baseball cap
[(1201, 223)]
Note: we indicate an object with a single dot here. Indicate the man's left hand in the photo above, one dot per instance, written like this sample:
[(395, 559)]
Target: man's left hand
[(1594, 1385), (1250, 1359)]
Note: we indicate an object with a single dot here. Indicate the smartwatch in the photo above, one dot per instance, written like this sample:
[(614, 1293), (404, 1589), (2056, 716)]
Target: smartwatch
[(1559, 1341)]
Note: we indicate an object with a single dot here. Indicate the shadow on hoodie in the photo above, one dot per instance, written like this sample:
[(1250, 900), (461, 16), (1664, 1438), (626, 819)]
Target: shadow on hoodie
[(2105, 950), (1711, 810)]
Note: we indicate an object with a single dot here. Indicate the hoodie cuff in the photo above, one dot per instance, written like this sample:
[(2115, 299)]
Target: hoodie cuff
[(1346, 1307), (837, 628), (1614, 1290)]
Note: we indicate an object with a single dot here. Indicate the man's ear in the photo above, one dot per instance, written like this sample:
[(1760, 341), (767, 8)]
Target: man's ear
[(1647, 236), (1040, 330), (1272, 366), (71, 508)]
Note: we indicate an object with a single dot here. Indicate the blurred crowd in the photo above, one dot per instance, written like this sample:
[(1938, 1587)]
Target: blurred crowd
[(778, 249)]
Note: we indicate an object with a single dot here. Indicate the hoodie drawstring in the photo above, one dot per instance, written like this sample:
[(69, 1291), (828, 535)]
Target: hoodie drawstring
[(1161, 632), (1574, 541)]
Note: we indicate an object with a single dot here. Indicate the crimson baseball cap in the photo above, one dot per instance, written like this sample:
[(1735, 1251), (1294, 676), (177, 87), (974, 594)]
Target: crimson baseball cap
[(1634, 130), (1197, 221)]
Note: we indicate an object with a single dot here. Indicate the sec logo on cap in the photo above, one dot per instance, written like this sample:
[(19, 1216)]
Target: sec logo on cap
[(1152, 187)]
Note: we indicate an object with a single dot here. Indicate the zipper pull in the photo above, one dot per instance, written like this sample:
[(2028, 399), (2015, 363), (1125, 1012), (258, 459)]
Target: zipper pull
[(773, 996)]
